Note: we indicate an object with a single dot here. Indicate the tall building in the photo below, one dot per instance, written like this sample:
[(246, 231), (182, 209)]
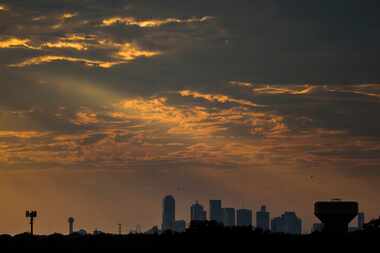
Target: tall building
[(361, 221), (229, 219), (262, 219), (197, 212), (276, 225), (287, 223), (216, 212), (168, 213), (244, 217)]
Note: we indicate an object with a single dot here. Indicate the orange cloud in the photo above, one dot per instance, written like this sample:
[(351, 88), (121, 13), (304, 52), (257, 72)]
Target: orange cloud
[(241, 84), (216, 98), (85, 118), (290, 90), (16, 42), (3, 8), (63, 44), (152, 22), (130, 52), (68, 15), (52, 58)]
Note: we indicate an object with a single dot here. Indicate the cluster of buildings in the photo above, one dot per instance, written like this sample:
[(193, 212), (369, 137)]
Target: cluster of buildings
[(230, 217)]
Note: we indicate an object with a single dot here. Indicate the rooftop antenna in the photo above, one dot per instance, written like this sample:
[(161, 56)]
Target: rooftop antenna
[(31, 215), (71, 225)]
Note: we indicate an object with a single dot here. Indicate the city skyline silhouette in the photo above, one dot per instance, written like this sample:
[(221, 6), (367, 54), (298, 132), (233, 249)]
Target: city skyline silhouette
[(237, 109)]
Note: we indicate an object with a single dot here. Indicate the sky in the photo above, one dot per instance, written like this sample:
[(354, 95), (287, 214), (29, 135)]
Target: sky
[(107, 106)]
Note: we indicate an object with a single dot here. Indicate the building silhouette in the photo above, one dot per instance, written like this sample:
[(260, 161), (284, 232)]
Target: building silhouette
[(180, 226), (215, 211), (197, 212), (263, 219), (361, 221), (229, 219), (244, 217), (168, 213), (287, 223), (317, 227)]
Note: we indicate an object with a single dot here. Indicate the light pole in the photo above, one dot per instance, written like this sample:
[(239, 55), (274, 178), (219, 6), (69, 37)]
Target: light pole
[(31, 215)]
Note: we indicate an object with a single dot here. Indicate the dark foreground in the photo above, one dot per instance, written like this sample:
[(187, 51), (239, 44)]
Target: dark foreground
[(201, 239)]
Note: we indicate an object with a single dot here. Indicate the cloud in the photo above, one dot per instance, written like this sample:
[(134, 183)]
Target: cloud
[(280, 89), (85, 118), (16, 42), (69, 15), (3, 8), (63, 44), (216, 98), (130, 52), (241, 84), (144, 23), (52, 58)]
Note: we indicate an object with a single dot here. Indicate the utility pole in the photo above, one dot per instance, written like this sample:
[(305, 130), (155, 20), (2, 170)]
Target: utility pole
[(31, 215)]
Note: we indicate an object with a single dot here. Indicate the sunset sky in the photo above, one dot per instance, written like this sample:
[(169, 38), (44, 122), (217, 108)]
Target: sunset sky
[(107, 106)]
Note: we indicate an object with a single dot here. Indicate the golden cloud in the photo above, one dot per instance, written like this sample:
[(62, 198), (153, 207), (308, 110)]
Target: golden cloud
[(16, 42), (68, 15), (52, 58), (130, 52), (290, 90), (216, 98), (3, 8), (85, 118), (241, 84), (64, 44), (151, 22)]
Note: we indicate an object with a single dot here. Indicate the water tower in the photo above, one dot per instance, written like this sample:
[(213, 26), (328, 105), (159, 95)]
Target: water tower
[(336, 214), (71, 225)]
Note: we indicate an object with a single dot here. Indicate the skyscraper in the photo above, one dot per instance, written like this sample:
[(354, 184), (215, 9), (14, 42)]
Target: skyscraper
[(276, 225), (168, 213), (287, 223), (197, 212), (216, 212), (361, 221), (262, 219), (244, 217), (229, 219)]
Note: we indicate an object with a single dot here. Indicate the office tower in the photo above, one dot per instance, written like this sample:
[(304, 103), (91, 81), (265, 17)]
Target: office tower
[(197, 212), (229, 217), (287, 223), (361, 220), (262, 219), (276, 225), (244, 217), (216, 212), (71, 225), (180, 226), (168, 213)]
